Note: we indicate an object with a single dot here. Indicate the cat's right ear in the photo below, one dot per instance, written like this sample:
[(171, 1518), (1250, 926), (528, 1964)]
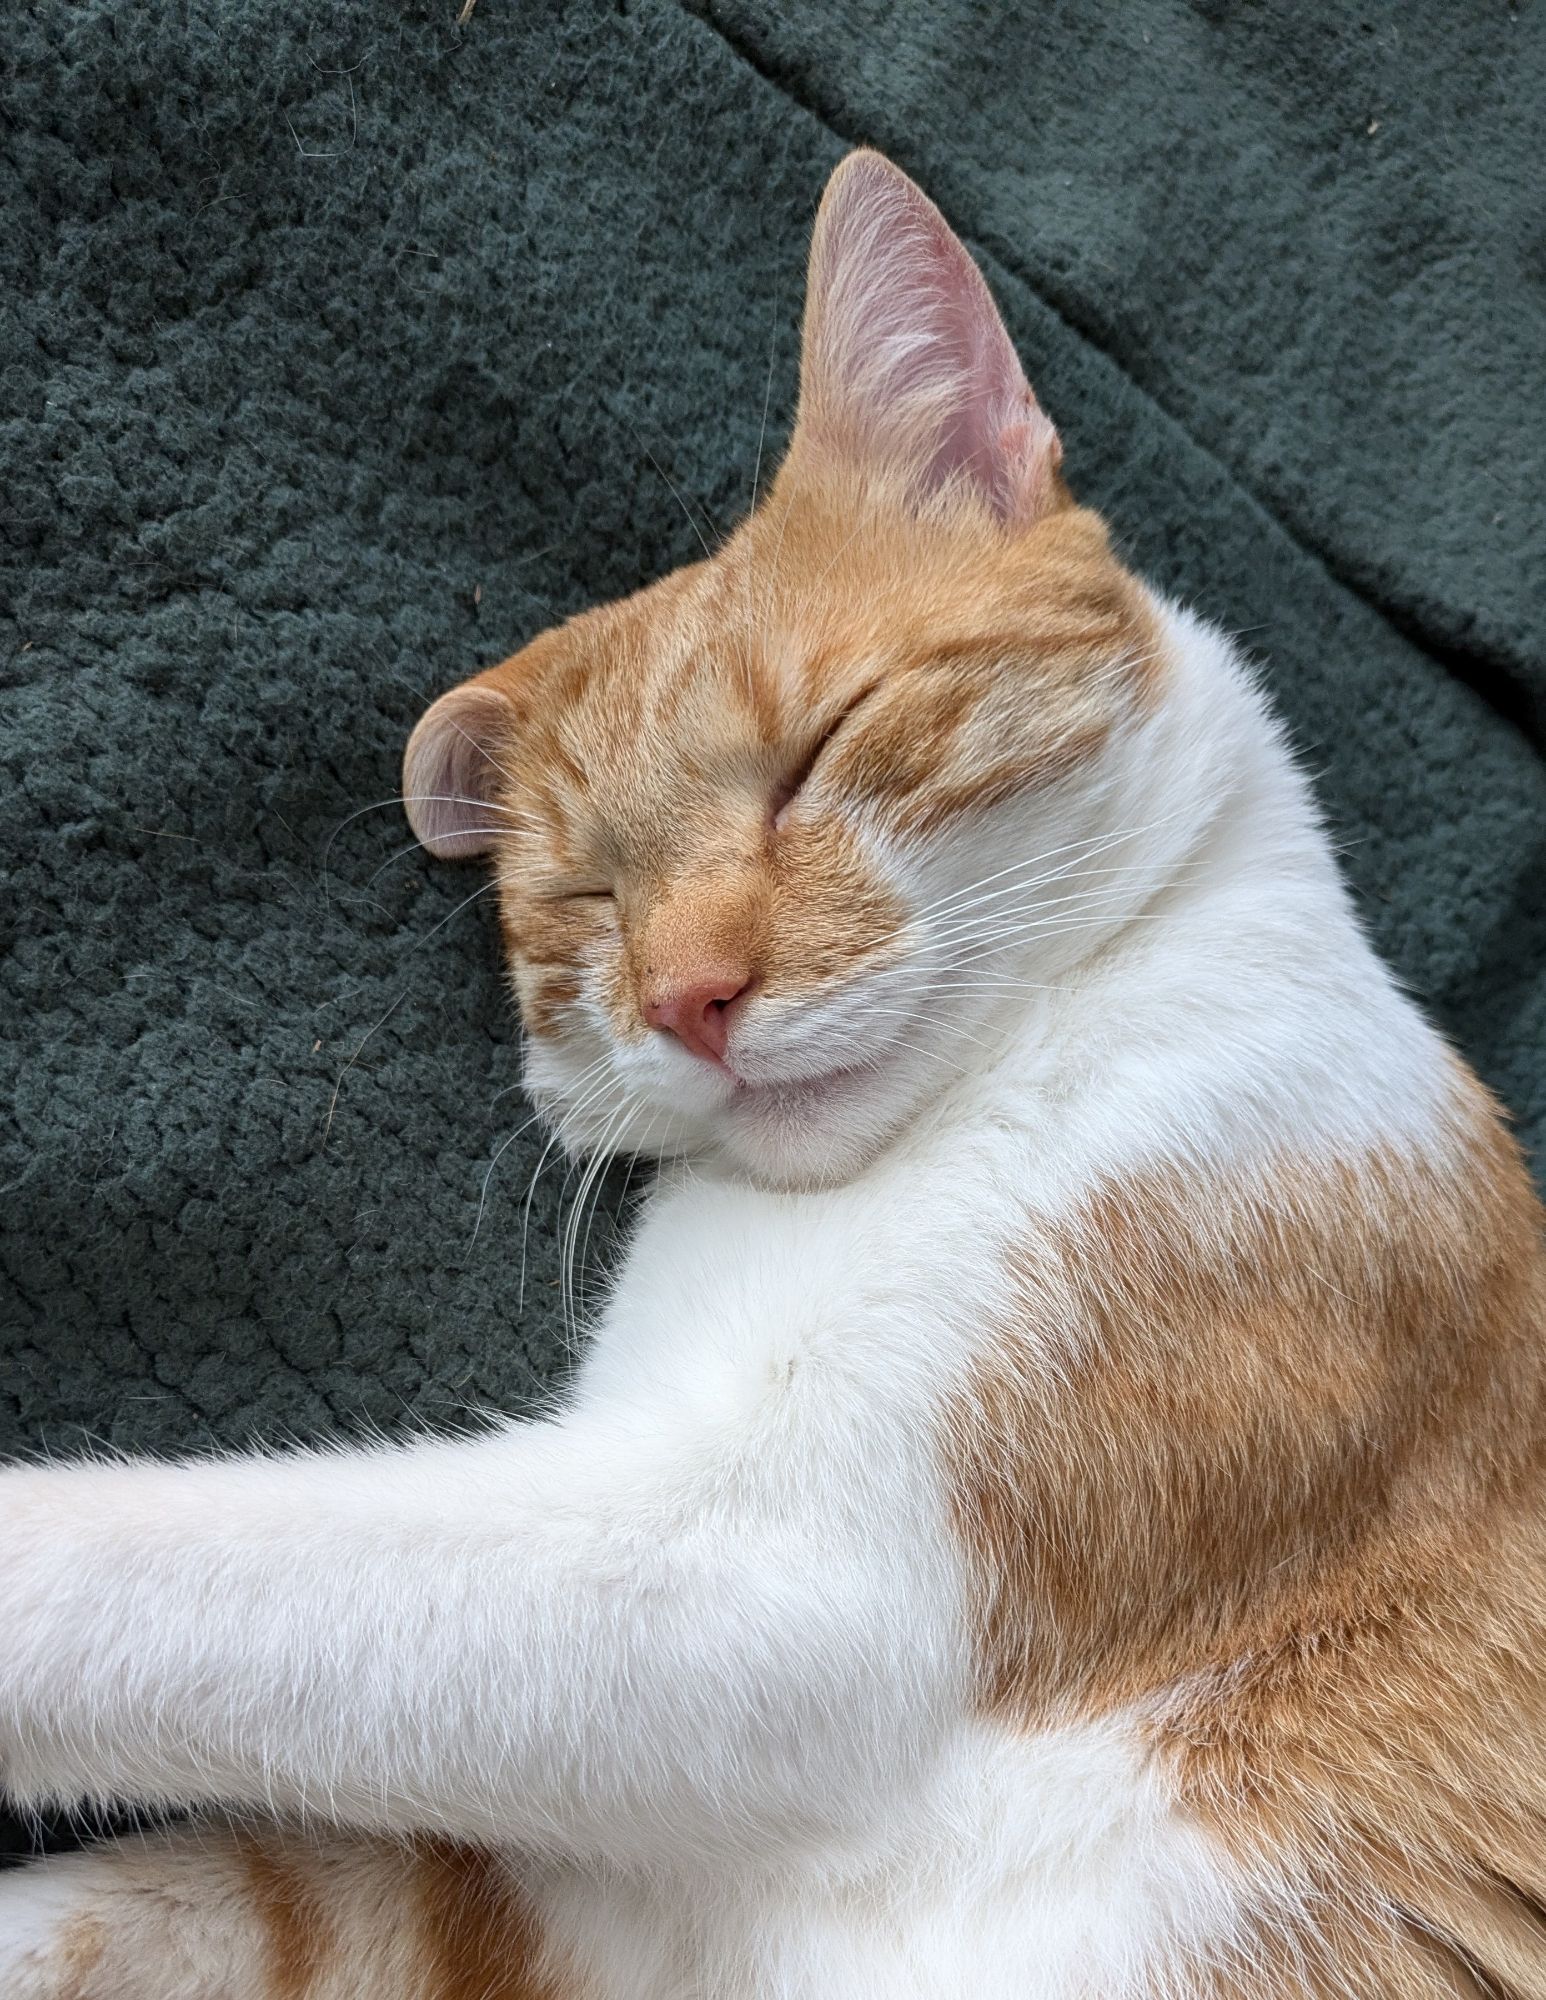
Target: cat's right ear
[(907, 372), (453, 768)]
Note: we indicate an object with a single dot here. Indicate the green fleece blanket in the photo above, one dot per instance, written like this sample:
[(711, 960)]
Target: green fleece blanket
[(338, 348)]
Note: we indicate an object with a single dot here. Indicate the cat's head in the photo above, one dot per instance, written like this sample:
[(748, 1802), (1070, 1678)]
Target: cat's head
[(781, 838)]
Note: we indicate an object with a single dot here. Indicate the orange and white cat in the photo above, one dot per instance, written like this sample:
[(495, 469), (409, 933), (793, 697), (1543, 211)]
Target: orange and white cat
[(1053, 1504)]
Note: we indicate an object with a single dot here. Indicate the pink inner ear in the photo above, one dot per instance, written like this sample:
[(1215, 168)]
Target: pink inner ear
[(907, 363), (452, 777)]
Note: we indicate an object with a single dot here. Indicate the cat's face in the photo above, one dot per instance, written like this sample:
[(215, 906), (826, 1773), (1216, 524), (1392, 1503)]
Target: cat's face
[(777, 836)]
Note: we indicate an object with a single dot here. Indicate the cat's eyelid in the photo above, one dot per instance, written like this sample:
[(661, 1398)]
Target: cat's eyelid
[(582, 892), (791, 786)]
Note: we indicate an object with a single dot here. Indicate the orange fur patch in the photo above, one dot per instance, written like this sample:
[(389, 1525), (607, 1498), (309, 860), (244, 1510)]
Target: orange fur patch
[(479, 1936), (1347, 1955), (81, 1951), (298, 1936), (1269, 1466)]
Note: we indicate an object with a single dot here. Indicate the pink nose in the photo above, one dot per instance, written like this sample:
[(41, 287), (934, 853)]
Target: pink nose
[(698, 1015)]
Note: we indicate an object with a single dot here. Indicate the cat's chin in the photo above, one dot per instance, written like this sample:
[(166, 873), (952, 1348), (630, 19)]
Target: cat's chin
[(813, 1132), (783, 1132)]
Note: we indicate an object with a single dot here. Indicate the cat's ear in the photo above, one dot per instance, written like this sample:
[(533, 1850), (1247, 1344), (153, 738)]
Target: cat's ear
[(452, 768), (906, 367)]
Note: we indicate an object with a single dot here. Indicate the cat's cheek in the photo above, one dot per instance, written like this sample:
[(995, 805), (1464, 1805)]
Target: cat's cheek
[(548, 1002)]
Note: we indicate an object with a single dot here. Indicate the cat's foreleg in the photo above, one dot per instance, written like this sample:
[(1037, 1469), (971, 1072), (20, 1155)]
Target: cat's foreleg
[(560, 1635)]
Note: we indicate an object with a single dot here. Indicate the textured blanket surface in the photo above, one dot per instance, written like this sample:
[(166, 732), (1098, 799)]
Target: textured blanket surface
[(342, 348)]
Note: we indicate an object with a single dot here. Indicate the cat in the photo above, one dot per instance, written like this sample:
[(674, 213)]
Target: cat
[(1053, 1502)]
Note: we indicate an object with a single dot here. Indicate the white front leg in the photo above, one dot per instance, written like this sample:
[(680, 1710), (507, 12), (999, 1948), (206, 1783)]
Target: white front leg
[(559, 1635)]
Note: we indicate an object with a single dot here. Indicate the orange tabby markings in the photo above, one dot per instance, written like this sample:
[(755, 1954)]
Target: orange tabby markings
[(81, 1951), (298, 1936), (479, 1937), (1346, 1956), (651, 740)]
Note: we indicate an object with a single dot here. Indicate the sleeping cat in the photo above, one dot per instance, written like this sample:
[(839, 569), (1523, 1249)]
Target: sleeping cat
[(1053, 1504)]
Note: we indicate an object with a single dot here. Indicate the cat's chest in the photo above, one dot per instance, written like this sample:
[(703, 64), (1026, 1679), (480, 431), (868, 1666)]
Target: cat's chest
[(727, 1289)]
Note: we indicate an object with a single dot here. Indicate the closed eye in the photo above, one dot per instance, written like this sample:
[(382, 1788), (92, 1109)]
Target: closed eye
[(785, 793), (584, 893)]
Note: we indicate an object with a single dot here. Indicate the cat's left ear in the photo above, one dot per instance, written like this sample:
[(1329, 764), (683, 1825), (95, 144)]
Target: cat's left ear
[(453, 768), (906, 367)]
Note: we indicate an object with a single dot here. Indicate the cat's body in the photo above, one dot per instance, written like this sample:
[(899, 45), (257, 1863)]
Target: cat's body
[(1053, 1504)]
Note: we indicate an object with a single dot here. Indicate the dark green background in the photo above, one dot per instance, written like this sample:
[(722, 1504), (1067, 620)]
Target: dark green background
[(335, 344)]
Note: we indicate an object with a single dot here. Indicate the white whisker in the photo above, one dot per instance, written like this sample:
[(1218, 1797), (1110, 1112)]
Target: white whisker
[(555, 1138), (1087, 849), (1079, 899), (453, 914), (692, 519)]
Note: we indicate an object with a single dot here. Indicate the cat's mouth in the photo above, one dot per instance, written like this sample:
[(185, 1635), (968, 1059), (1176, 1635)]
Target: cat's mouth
[(793, 1093)]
